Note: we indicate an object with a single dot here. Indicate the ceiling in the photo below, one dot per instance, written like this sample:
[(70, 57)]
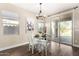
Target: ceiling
[(47, 8)]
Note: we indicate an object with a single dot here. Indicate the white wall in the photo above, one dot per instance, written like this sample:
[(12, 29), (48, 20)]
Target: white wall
[(76, 27), (12, 40)]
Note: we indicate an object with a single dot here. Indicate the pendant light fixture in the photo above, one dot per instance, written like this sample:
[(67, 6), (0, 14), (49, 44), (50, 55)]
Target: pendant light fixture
[(40, 16)]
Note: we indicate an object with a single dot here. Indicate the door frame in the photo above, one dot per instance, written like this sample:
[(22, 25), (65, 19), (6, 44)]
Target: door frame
[(72, 29)]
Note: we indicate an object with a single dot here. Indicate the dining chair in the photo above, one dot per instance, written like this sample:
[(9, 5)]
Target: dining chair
[(32, 41), (44, 42), (47, 44)]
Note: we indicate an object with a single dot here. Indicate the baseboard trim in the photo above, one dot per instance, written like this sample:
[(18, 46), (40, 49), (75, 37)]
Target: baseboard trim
[(76, 45), (5, 48), (14, 46)]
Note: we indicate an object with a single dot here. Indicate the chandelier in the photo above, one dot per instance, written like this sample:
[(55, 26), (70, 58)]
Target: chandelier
[(40, 16)]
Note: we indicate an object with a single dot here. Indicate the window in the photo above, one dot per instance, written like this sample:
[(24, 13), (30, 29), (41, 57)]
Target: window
[(66, 28), (40, 27), (10, 26)]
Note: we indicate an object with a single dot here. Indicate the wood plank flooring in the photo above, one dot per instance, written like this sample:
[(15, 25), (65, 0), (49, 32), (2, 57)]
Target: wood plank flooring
[(53, 50)]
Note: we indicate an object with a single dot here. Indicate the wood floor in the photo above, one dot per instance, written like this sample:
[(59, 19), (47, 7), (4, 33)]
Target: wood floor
[(53, 50)]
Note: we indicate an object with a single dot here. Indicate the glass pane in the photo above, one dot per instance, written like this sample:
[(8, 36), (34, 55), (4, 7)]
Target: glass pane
[(48, 28), (53, 28), (65, 30), (41, 27), (10, 26)]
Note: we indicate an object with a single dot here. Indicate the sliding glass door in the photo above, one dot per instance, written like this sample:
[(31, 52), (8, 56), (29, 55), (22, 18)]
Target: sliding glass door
[(62, 31), (65, 31)]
